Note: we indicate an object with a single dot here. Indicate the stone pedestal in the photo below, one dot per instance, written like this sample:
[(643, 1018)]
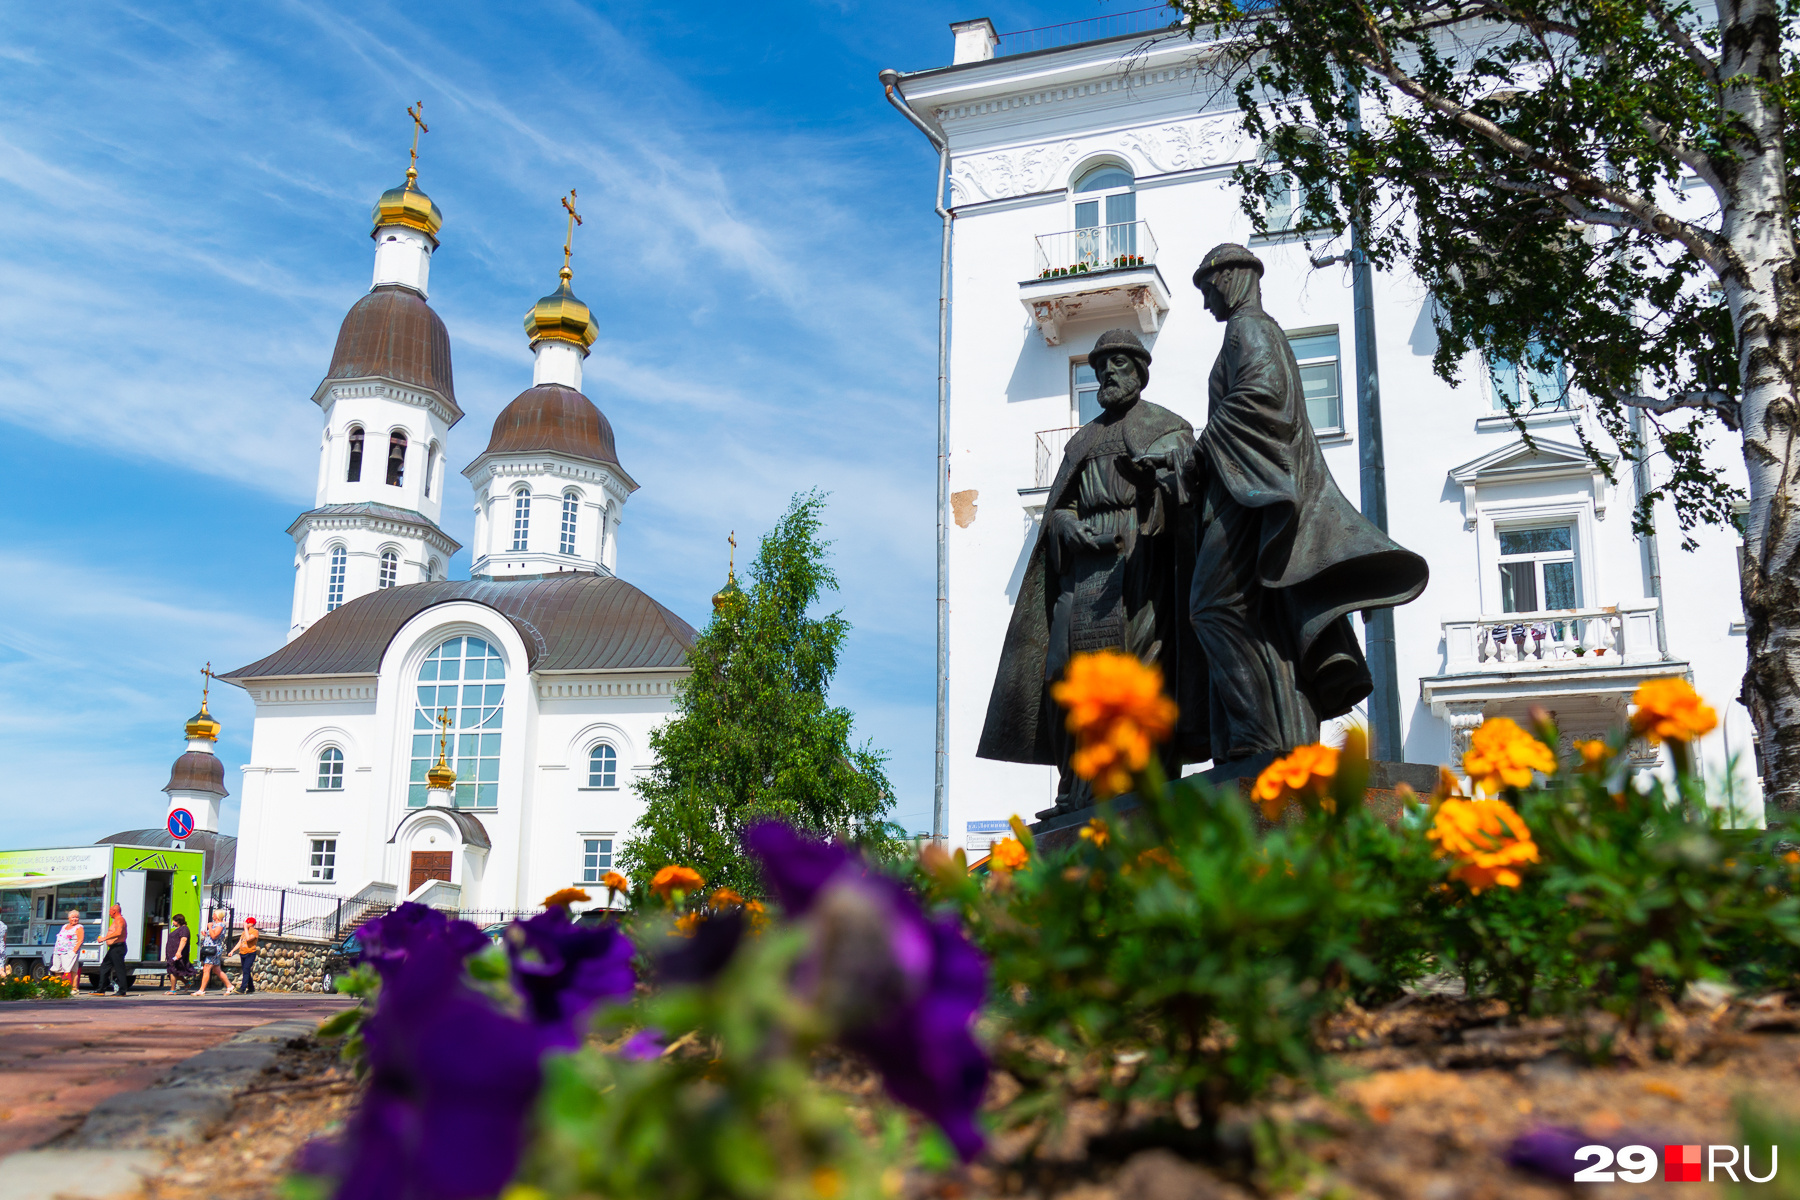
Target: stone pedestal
[(1053, 833)]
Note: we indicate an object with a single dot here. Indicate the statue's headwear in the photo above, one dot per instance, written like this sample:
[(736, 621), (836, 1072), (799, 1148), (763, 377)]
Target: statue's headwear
[(1224, 257), (1117, 339)]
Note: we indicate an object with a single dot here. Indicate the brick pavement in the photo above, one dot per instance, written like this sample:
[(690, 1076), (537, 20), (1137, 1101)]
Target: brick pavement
[(58, 1058)]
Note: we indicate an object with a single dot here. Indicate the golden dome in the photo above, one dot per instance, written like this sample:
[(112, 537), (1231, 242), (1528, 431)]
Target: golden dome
[(203, 725), (407, 205), (561, 317), (440, 777)]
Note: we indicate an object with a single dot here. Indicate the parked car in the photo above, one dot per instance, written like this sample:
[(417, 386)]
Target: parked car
[(340, 960)]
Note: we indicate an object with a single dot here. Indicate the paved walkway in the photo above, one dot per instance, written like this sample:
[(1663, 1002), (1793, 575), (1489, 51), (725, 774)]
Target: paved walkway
[(59, 1058)]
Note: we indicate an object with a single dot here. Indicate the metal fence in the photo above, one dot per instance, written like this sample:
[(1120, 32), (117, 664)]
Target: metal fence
[(294, 912), (1093, 29), (1096, 248)]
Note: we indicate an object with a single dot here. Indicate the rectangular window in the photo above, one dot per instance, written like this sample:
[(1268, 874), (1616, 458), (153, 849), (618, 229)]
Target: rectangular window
[(570, 507), (1084, 393), (334, 589), (1538, 384), (596, 859), (521, 519), (1320, 378), (1537, 569), (324, 859)]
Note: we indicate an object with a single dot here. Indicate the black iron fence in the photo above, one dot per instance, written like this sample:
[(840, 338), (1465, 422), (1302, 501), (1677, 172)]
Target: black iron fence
[(303, 912)]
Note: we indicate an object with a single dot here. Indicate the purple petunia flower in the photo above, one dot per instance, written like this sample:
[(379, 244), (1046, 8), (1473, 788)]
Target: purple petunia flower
[(699, 956), (563, 969), (451, 1077), (904, 988), (643, 1045)]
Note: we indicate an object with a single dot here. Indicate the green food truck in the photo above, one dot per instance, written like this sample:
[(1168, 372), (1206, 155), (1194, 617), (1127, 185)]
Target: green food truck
[(149, 884)]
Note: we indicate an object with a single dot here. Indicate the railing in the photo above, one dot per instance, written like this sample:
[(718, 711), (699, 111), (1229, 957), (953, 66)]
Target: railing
[(1577, 638), (1093, 29), (1050, 444), (1077, 252), (298, 912)]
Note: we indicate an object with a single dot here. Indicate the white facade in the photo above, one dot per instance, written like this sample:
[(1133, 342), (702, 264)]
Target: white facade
[(1024, 133)]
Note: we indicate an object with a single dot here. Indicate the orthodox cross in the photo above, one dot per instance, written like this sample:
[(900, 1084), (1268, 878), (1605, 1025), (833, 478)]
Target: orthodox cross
[(731, 564), (443, 721), (574, 220), (418, 115), (206, 688)]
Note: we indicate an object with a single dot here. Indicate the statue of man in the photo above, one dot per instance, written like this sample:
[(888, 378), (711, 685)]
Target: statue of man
[(1283, 557), (1111, 570)]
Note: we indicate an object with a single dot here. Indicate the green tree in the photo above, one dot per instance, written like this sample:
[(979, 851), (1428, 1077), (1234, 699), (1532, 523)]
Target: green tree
[(1610, 180), (753, 735)]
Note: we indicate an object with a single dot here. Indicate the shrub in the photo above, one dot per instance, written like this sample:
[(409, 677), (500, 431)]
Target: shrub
[(20, 987)]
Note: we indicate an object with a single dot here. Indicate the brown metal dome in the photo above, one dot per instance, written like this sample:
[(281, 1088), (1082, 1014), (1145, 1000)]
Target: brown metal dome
[(557, 419), (392, 332), (198, 771)]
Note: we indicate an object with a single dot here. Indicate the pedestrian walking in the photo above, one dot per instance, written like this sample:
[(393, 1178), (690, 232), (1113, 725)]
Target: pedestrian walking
[(212, 954), (246, 952), (65, 959), (177, 948), (113, 980)]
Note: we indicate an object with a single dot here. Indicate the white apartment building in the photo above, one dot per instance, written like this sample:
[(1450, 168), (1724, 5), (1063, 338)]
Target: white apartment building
[(1087, 181)]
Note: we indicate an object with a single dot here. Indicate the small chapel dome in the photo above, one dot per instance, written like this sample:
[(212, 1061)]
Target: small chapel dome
[(407, 205), (560, 317), (392, 332), (554, 418), (197, 771), (203, 725)]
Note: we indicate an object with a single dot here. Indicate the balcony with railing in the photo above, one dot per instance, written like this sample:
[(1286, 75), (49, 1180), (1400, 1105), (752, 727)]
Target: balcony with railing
[(1103, 271), (1566, 639)]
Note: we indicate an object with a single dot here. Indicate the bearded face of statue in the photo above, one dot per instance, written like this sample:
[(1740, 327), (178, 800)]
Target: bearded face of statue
[(1121, 379)]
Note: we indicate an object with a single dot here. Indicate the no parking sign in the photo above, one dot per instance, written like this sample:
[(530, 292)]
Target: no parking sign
[(181, 823)]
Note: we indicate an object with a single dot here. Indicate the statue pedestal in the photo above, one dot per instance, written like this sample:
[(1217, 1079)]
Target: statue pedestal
[(1064, 829)]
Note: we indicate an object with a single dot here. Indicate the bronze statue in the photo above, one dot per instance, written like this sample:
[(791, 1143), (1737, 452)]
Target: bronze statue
[(1112, 569), (1283, 558)]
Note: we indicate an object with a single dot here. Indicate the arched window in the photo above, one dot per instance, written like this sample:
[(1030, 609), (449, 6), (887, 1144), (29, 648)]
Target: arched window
[(603, 766), (571, 506), (465, 676), (390, 568), (334, 587), (433, 570), (521, 518), (396, 458), (353, 473), (431, 452), (1106, 232), (331, 769)]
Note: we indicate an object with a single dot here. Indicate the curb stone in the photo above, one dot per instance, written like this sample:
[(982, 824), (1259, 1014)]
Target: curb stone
[(123, 1138)]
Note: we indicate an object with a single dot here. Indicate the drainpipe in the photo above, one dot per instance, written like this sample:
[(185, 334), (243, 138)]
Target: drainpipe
[(940, 815), (1640, 476)]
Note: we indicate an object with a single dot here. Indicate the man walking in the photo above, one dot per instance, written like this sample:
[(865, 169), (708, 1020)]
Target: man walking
[(112, 977)]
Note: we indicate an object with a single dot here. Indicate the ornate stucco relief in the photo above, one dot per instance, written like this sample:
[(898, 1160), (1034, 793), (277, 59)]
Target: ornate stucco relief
[(1177, 146)]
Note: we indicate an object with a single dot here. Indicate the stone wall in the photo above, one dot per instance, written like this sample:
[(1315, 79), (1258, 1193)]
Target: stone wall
[(285, 964)]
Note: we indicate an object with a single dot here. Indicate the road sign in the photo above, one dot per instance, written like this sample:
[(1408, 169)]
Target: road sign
[(181, 823)]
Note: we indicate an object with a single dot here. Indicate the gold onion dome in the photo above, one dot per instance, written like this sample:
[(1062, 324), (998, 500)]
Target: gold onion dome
[(440, 777), (407, 205), (723, 594), (203, 725), (560, 317)]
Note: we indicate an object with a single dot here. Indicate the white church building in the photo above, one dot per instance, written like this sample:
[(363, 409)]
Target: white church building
[(1087, 180), (540, 677)]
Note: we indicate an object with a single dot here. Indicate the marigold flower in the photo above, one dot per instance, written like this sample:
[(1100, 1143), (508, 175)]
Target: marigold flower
[(612, 881), (1671, 710), (1487, 838), (1306, 771), (1595, 755), (1096, 831), (1007, 854), (1117, 712), (725, 898), (673, 878), (1502, 755), (686, 923), (1157, 855), (565, 897)]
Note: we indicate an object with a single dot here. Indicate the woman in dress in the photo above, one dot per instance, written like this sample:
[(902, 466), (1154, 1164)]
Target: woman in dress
[(176, 946), (65, 960), (212, 954)]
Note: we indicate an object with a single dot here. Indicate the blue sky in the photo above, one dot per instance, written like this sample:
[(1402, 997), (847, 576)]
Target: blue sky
[(184, 190)]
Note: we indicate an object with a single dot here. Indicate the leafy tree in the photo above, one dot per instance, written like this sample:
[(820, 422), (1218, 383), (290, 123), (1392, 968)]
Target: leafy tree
[(752, 735), (1608, 179)]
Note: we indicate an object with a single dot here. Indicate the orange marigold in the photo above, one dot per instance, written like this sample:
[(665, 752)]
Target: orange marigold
[(565, 897), (1502, 755), (686, 923), (1595, 755), (1306, 771), (1117, 712), (676, 879), (1671, 710), (725, 898), (1097, 832), (615, 882), (1008, 854), (1487, 838)]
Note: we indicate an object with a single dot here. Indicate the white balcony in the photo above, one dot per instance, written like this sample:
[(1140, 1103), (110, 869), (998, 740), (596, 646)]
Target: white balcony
[(1102, 272), (1565, 639)]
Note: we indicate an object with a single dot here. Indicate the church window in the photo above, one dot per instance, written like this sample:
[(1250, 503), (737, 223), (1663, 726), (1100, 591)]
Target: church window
[(353, 474), (1320, 378), (390, 568), (1106, 218), (324, 859), (334, 588), (396, 469), (430, 465), (1538, 382), (603, 766), (434, 570), (331, 769), (521, 518), (1537, 569), (465, 676), (596, 859), (571, 507)]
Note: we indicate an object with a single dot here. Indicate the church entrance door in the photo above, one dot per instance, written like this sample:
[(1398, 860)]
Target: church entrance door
[(428, 865)]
